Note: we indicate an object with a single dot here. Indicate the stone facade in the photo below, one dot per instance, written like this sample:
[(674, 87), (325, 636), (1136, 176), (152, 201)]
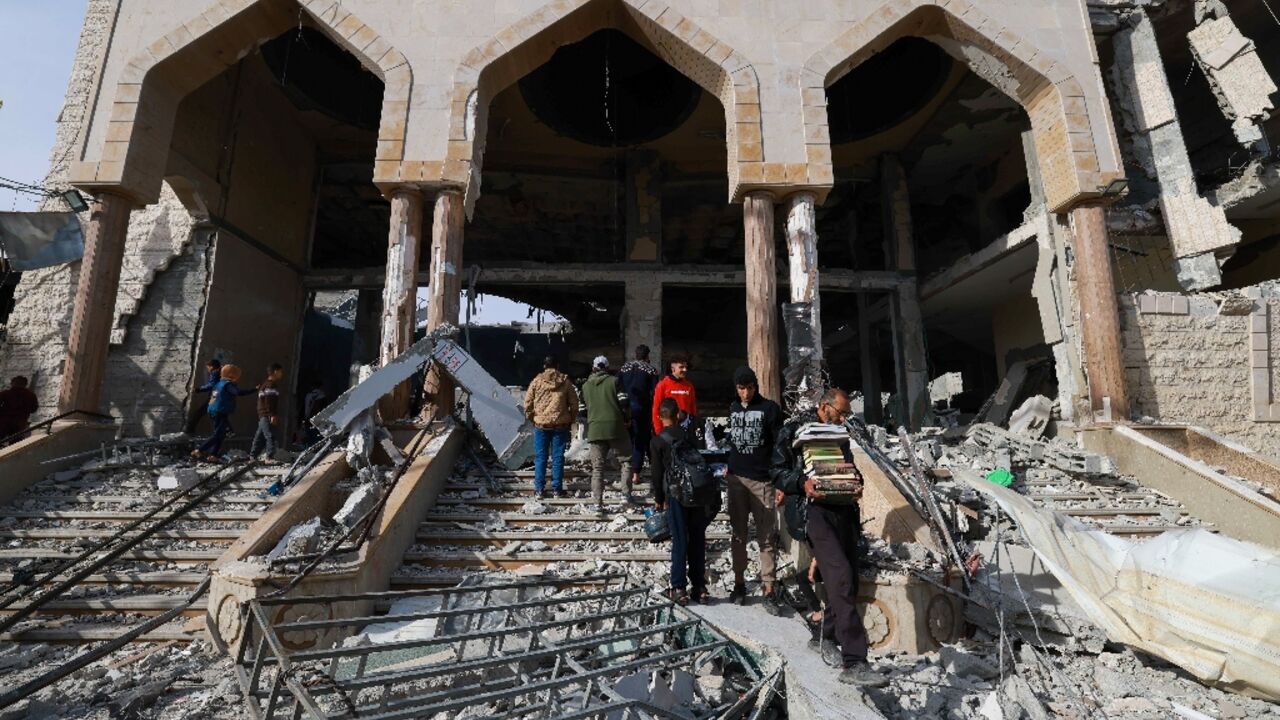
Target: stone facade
[(442, 63), (1189, 362)]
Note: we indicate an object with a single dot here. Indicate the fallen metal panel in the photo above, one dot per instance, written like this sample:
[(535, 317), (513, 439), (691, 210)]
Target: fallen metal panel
[(496, 412), (1207, 603), (494, 409), (359, 398)]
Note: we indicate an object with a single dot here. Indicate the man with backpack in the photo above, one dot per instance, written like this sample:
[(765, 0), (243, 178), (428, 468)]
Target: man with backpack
[(754, 422), (684, 487)]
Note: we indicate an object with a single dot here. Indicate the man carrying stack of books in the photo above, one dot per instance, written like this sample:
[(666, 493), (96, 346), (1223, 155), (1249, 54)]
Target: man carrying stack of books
[(814, 469)]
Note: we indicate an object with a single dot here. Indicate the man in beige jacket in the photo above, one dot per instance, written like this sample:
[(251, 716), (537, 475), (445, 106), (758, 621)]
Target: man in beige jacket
[(551, 404)]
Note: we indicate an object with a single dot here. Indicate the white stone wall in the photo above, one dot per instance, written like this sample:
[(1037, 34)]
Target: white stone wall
[(1187, 362)]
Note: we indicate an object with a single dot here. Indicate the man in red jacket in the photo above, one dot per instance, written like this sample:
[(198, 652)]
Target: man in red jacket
[(677, 387)]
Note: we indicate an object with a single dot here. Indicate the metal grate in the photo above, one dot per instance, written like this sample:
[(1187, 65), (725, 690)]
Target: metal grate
[(600, 646)]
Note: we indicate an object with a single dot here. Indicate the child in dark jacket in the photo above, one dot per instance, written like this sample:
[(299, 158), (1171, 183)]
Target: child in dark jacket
[(222, 402), (268, 414)]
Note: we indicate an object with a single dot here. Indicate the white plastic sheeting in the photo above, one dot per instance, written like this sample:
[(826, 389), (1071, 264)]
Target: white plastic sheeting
[(1209, 604)]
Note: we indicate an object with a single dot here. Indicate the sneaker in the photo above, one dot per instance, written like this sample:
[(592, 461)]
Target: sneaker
[(773, 603), (739, 594), (829, 650), (540, 494), (862, 675), (561, 494)]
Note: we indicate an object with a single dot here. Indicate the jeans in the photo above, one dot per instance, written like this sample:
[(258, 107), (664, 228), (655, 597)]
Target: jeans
[(221, 424), (599, 456), (641, 435), (553, 442), (688, 526), (266, 435)]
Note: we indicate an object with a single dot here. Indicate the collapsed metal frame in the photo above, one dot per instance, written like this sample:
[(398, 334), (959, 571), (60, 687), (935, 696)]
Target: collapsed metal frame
[(541, 648)]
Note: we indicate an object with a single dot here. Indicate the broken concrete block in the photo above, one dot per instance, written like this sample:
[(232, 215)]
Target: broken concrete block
[(1235, 305), (175, 478), (965, 664), (1032, 417), (301, 539), (359, 502), (401, 630), (65, 475)]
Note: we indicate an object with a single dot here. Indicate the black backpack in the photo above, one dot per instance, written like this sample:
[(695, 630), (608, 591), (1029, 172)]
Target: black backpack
[(689, 479)]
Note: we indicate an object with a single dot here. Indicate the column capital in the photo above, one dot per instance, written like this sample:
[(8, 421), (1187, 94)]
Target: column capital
[(391, 191)]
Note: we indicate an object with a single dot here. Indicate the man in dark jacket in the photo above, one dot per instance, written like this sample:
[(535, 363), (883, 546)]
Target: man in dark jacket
[(606, 427), (639, 379), (832, 531), (753, 430), (687, 518)]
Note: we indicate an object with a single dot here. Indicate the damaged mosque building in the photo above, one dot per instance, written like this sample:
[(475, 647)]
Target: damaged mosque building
[(1037, 242)]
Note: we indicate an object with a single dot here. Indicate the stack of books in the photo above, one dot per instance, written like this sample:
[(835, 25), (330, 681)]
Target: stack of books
[(837, 479)]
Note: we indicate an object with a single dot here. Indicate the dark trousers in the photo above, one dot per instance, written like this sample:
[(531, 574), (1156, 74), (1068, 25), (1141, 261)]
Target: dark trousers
[(641, 435), (833, 534), (221, 424), (688, 526)]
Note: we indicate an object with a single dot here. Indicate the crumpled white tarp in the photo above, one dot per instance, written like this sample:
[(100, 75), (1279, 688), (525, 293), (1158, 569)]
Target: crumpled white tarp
[(1207, 603)]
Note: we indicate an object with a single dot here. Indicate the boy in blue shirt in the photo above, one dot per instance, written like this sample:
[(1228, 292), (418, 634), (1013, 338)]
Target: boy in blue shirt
[(222, 402)]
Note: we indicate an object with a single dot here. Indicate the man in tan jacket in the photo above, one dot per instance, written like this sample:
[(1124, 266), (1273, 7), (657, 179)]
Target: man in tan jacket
[(551, 404)]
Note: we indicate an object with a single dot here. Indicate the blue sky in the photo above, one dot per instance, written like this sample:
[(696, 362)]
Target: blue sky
[(37, 46)]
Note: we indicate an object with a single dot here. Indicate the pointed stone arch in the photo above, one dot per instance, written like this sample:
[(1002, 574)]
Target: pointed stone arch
[(145, 101), (531, 41), (1053, 98)]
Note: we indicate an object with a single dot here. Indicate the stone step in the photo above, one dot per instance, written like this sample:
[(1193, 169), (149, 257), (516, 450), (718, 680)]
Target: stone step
[(551, 537)]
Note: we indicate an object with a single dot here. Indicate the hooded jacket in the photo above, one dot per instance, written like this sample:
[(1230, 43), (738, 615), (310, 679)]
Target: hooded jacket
[(681, 391), (551, 402), (753, 432), (606, 418), (638, 380)]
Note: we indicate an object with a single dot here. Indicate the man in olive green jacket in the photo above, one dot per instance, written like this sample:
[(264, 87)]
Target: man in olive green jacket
[(607, 410)]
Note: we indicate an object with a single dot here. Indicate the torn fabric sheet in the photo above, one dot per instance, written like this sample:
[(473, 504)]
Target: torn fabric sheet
[(1209, 604), (34, 240)]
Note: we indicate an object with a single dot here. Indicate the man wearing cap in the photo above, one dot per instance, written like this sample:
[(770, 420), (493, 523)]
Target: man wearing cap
[(607, 410), (754, 422)]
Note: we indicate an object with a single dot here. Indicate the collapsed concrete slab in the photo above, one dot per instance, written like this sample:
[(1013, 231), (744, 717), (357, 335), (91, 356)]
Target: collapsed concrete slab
[(1235, 72)]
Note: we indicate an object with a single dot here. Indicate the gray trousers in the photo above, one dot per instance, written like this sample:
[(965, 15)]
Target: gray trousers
[(600, 454), (265, 435)]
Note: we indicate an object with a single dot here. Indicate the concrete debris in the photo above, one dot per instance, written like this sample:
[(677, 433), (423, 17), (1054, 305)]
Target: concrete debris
[(300, 539), (358, 503), (1236, 305), (1055, 453), (1032, 417), (1235, 72), (177, 477)]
